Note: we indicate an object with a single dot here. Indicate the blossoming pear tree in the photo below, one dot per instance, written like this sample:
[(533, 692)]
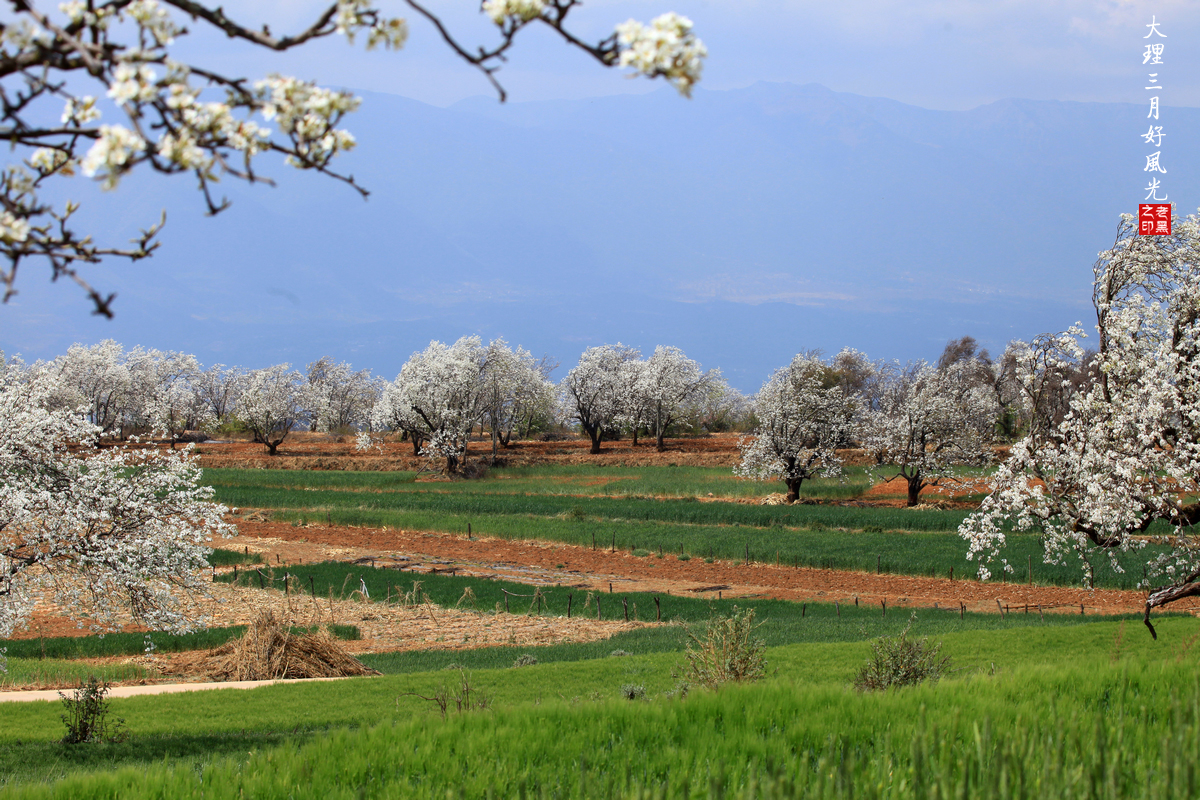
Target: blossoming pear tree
[(927, 421), (163, 387), (337, 398), (596, 391), (803, 416), (173, 116), (517, 390), (96, 531), (272, 403), (671, 384), (439, 395), (1111, 464)]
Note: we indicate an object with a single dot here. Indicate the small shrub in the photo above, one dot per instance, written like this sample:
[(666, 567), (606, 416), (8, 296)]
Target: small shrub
[(709, 559), (461, 697), (632, 691), (87, 715), (727, 651), (619, 653), (640, 553), (872, 529), (525, 660), (899, 661), (684, 557)]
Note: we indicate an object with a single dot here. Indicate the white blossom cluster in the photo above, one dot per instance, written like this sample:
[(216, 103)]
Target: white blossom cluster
[(925, 421), (666, 47), (523, 10), (1110, 454), (97, 531)]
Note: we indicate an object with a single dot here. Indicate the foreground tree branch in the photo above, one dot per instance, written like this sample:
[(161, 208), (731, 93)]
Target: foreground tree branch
[(124, 47)]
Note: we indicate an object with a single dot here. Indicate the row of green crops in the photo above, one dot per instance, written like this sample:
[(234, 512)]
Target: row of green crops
[(683, 511), (563, 480), (782, 622), (1091, 711), (933, 554), (896, 540)]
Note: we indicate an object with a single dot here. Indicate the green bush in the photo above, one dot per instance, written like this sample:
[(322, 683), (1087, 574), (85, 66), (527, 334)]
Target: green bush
[(86, 715), (727, 651), (899, 661)]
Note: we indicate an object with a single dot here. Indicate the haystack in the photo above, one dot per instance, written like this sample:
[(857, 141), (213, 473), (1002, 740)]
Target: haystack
[(269, 650)]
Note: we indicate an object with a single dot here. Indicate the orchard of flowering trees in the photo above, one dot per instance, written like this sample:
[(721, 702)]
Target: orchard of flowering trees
[(1105, 455)]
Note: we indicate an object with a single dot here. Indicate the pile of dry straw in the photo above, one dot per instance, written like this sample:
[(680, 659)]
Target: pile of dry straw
[(270, 650)]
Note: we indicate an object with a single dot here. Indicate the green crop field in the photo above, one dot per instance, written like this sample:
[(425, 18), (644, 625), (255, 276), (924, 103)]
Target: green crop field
[(1096, 709), (894, 540)]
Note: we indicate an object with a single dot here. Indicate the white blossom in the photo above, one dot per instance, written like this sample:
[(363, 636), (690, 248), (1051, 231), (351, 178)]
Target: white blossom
[(665, 47), (80, 111), (133, 82), (437, 399), (97, 532), (523, 10), (13, 228), (272, 404), (595, 392), (926, 421), (111, 154)]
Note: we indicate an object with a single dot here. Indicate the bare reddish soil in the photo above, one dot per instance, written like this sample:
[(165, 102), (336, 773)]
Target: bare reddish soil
[(568, 565), (328, 451)]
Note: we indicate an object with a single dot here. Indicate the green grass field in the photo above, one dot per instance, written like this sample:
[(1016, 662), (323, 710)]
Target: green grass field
[(894, 540), (1086, 710)]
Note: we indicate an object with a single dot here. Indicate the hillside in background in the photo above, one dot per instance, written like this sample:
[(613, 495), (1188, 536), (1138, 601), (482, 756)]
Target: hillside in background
[(742, 226)]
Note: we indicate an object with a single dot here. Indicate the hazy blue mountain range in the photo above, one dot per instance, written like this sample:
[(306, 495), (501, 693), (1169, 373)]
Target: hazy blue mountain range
[(743, 226)]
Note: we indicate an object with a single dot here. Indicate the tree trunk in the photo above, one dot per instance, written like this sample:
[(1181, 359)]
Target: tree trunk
[(660, 446), (272, 447), (416, 443), (915, 484), (635, 434), (595, 433), (793, 488)]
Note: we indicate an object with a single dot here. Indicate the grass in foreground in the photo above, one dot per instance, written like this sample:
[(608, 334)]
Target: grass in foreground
[(1088, 710)]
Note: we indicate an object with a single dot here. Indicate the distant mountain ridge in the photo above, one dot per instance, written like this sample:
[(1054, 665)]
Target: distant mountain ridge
[(742, 226)]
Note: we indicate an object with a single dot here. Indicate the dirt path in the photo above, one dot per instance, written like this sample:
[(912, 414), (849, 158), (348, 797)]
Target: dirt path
[(551, 563), (52, 695)]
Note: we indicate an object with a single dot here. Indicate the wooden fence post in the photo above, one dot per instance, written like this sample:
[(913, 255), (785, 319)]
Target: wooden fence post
[(570, 598), (657, 610)]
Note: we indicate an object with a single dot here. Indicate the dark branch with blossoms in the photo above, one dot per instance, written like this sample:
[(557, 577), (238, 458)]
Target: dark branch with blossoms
[(124, 46)]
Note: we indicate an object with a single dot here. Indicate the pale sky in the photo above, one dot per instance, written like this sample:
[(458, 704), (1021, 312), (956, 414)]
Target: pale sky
[(943, 54)]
